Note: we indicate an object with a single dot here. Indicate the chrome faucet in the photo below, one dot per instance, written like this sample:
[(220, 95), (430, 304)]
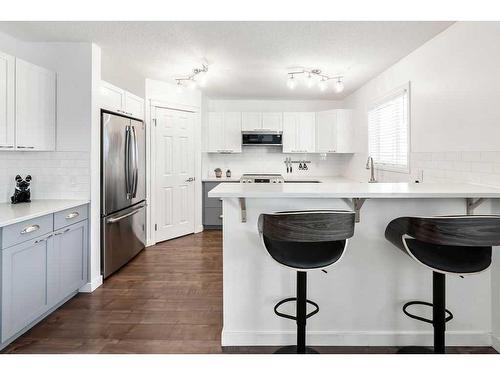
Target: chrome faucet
[(369, 165)]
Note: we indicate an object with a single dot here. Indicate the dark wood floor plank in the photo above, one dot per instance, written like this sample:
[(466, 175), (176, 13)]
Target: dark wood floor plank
[(167, 300)]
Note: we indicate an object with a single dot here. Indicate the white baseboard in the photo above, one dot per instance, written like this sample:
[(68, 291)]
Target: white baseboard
[(374, 338), (495, 342), (198, 229), (93, 285)]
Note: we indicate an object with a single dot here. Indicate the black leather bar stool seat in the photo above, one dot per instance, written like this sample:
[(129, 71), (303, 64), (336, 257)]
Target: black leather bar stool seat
[(457, 245), (304, 241)]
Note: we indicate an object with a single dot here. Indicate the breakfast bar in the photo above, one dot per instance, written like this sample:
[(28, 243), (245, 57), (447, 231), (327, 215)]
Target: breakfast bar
[(360, 298)]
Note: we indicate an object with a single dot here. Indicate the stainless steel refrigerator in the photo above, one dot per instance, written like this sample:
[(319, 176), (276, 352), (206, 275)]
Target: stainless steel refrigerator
[(123, 205)]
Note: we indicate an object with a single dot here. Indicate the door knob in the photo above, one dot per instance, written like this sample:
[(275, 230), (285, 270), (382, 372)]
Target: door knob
[(190, 179)]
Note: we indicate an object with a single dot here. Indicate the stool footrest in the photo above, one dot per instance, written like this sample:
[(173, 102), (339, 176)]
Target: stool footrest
[(411, 303), (315, 311)]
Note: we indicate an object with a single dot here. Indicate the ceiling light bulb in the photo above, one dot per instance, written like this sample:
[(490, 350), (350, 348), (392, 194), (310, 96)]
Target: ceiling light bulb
[(180, 87), (339, 85), (310, 81), (323, 84), (192, 84), (291, 82)]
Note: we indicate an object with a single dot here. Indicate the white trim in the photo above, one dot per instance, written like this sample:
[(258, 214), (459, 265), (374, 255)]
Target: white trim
[(495, 342), (91, 286), (354, 338)]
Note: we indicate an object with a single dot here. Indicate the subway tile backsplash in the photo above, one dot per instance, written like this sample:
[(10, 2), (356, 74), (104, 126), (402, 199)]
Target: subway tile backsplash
[(480, 167), (63, 175)]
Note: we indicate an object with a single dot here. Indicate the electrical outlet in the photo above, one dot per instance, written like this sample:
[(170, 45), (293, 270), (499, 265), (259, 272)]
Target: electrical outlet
[(417, 176)]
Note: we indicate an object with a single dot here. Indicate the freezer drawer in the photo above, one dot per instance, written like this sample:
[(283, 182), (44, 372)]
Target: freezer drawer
[(124, 236)]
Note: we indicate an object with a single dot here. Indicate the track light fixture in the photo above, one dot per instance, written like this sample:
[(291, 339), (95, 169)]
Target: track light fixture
[(315, 76), (197, 77)]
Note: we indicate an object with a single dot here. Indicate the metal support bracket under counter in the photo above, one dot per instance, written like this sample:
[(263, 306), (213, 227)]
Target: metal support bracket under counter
[(472, 204), (243, 209), (357, 203)]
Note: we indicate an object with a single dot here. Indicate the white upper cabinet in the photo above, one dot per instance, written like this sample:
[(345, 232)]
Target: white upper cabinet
[(299, 129), (224, 132), (334, 131), (118, 100), (272, 121), (251, 121), (35, 105), (7, 90)]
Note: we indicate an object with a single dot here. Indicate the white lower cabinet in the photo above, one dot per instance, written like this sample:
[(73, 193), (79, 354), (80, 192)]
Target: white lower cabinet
[(39, 274), (299, 129)]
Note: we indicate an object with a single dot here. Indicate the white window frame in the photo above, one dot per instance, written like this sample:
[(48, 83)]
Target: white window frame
[(390, 95)]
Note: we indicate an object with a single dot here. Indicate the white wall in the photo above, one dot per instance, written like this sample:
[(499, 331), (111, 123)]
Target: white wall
[(267, 159), (64, 173), (455, 80), (164, 94)]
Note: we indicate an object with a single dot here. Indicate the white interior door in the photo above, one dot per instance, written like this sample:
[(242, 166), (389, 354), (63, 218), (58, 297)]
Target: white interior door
[(174, 173)]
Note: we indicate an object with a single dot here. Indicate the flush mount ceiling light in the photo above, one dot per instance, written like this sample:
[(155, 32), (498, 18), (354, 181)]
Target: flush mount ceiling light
[(198, 77), (315, 76)]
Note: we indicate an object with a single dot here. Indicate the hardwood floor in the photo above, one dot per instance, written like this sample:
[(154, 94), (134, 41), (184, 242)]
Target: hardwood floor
[(167, 300)]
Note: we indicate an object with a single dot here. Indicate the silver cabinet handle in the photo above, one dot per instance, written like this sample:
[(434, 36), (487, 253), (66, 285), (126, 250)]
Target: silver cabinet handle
[(30, 147), (6, 146), (31, 228), (64, 231), (114, 220), (190, 179), (44, 239), (72, 215)]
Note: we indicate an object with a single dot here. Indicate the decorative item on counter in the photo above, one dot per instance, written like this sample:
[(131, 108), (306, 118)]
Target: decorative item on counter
[(22, 192), (218, 172), (228, 173)]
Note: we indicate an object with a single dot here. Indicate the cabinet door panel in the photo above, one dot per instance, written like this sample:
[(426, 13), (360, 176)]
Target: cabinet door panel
[(290, 128), (134, 106), (24, 284), (232, 131), (35, 107), (70, 245), (345, 131), (112, 97), (215, 132), (307, 132), (7, 89), (326, 134), (251, 121), (272, 121)]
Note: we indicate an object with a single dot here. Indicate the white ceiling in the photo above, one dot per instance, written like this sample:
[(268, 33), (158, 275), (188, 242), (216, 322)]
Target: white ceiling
[(246, 59)]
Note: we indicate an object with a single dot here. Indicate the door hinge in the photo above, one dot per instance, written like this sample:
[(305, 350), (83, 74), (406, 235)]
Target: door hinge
[(154, 121), (156, 227)]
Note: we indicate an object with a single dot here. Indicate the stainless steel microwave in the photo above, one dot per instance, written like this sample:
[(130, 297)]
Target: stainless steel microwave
[(262, 138)]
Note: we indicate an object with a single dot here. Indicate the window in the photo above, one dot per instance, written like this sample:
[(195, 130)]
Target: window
[(388, 131)]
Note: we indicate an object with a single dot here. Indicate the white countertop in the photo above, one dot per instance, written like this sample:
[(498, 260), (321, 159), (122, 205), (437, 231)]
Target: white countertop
[(354, 190), (15, 213), (286, 177)]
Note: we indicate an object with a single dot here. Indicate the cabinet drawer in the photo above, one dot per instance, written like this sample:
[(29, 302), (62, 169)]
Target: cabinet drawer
[(213, 216), (27, 230), (70, 216)]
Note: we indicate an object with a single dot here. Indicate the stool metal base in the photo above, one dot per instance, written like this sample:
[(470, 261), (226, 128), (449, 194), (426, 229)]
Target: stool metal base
[(292, 349), (416, 350)]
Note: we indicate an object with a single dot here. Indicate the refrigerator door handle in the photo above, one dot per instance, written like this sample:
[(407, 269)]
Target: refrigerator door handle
[(127, 162), (135, 177), (115, 219)]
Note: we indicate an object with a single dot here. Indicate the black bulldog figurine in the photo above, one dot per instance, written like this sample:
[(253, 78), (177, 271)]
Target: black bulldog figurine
[(22, 192)]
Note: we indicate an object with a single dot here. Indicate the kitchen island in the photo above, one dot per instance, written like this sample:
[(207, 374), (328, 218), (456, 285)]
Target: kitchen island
[(361, 297)]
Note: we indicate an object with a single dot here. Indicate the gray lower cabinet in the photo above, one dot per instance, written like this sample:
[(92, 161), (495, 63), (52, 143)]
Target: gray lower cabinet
[(40, 273), (212, 207), (24, 284)]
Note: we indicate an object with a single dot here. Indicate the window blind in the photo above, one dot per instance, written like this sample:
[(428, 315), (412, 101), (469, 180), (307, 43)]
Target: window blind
[(388, 132)]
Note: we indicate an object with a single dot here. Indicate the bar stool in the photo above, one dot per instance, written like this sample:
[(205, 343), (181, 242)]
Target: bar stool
[(305, 241), (455, 245)]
